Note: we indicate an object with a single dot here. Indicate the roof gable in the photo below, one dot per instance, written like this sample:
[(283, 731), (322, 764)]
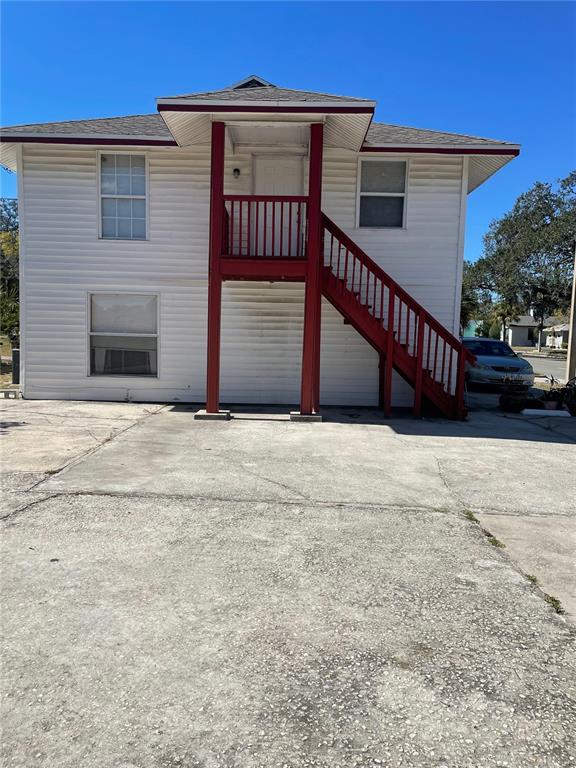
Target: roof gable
[(265, 93), (252, 81)]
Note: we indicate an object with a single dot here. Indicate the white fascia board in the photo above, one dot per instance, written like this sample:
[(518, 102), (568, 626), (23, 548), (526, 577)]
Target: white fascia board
[(432, 147), (267, 103), (79, 136)]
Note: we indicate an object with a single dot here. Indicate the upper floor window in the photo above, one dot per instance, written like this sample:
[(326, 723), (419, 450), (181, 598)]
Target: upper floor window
[(382, 193), (123, 196)]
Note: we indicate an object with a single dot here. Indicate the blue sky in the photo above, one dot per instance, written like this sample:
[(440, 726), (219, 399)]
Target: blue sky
[(502, 70)]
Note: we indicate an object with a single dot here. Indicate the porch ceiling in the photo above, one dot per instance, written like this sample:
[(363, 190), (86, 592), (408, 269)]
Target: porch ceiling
[(344, 130)]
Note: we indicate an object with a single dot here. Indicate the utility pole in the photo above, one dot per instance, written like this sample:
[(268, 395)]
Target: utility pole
[(571, 362)]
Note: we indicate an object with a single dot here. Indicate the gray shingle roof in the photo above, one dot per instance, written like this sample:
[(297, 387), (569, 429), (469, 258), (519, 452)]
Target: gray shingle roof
[(266, 93), (131, 125), (154, 125), (383, 133), (524, 321)]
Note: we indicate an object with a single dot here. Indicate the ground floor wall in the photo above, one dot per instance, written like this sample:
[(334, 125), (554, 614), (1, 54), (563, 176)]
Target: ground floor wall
[(261, 349)]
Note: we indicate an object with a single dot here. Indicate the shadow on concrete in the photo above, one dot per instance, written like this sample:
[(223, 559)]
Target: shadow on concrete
[(484, 421)]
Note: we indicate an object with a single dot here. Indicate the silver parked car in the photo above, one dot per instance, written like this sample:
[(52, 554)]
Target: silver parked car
[(497, 364)]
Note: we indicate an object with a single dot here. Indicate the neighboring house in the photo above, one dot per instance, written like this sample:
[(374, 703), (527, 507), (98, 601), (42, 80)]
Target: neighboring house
[(522, 332), (251, 245), (556, 336)]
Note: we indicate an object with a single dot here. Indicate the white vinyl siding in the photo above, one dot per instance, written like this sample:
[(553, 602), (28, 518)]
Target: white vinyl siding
[(261, 322)]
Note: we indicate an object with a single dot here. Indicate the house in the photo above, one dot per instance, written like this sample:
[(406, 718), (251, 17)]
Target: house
[(255, 244), (521, 332), (556, 336)]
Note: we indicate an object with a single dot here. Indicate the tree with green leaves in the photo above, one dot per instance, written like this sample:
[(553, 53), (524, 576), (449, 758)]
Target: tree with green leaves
[(527, 262), (9, 270), (477, 303)]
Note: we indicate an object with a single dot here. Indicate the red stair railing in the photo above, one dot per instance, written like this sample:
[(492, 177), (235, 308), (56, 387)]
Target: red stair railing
[(265, 226), (420, 346)]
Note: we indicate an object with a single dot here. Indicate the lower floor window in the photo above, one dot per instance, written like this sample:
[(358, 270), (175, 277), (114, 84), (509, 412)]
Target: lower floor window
[(123, 334)]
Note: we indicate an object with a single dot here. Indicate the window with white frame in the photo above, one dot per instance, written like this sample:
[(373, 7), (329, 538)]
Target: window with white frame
[(123, 334), (123, 196), (382, 193)]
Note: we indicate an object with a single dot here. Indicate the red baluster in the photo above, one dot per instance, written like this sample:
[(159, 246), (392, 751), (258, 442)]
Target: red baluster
[(450, 369), (443, 361), (257, 231), (233, 244), (281, 229), (249, 229), (408, 329), (419, 350), (298, 243), (290, 229)]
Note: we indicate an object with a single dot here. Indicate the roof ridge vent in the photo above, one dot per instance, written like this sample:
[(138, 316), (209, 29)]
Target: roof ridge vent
[(252, 81)]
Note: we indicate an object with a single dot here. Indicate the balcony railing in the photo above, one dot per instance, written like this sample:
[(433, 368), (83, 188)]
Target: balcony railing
[(265, 226)]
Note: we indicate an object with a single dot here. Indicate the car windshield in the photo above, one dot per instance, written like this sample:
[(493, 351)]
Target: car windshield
[(483, 347)]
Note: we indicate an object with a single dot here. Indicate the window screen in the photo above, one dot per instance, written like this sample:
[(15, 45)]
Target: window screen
[(123, 335), (382, 193)]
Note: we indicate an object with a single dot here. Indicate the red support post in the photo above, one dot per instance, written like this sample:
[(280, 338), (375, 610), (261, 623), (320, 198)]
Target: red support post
[(214, 274), (310, 389), (382, 381), (460, 382), (389, 361), (421, 316)]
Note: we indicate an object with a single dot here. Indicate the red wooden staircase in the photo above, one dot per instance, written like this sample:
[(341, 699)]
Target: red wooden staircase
[(408, 339)]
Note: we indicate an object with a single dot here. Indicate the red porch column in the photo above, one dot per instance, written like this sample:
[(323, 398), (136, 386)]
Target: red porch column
[(310, 389), (214, 276)]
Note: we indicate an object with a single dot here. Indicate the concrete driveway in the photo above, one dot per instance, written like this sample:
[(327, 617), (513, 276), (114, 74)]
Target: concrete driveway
[(262, 593)]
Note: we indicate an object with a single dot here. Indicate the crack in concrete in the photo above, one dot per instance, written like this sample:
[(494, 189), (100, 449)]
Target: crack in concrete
[(450, 490), (223, 499), (90, 451), (27, 506)]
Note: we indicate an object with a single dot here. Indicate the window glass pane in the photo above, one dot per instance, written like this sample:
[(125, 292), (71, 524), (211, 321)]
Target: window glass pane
[(138, 229), (108, 163), (108, 184), (125, 228), (123, 356), (108, 207), (138, 165), (108, 227), (383, 176), (138, 185), (122, 163), (125, 208), (381, 211), (123, 313), (123, 184), (139, 209)]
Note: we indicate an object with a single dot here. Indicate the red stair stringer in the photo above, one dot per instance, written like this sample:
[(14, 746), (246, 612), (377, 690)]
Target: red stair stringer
[(421, 350)]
